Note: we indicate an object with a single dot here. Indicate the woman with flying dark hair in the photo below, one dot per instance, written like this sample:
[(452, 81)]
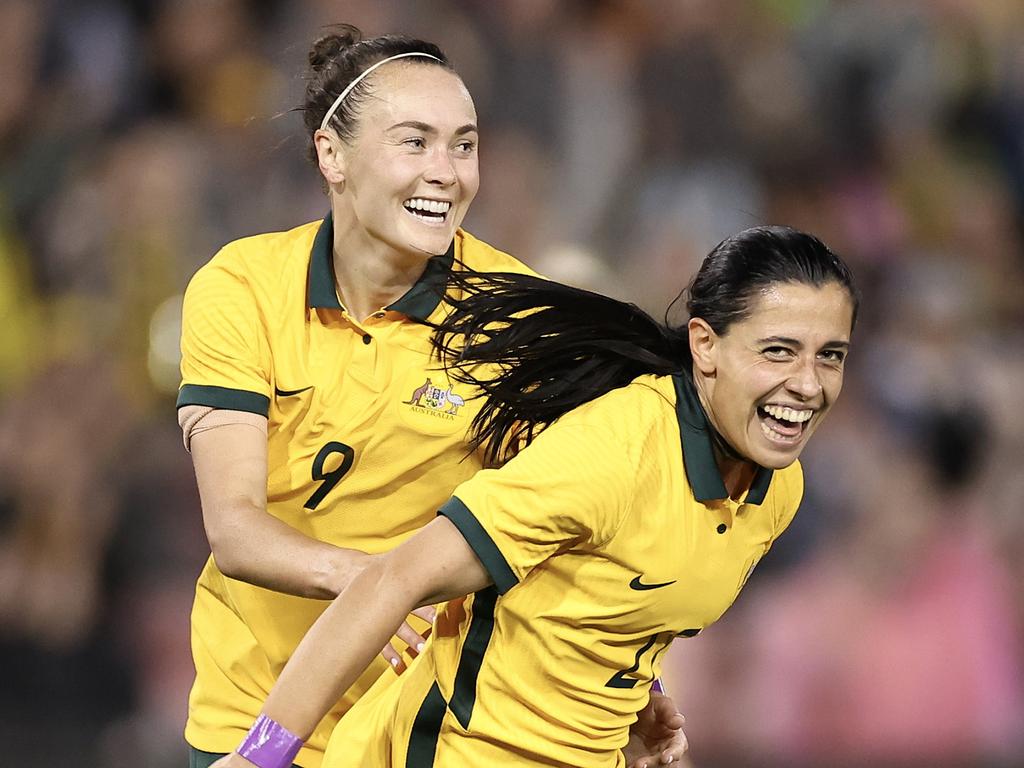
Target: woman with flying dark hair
[(646, 469), (316, 420)]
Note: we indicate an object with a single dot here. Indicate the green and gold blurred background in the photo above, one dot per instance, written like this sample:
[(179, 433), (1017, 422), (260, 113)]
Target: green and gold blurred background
[(620, 140)]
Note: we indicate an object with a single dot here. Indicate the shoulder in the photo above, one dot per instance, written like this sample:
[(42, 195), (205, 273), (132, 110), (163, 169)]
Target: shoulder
[(265, 261), (650, 397), (788, 484), (478, 255), (633, 413), (785, 493)]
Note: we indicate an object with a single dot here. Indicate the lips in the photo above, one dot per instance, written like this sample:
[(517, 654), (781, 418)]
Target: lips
[(783, 423), (428, 210)]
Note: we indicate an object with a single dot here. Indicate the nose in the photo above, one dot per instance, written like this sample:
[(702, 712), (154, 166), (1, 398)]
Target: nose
[(440, 170), (804, 380)]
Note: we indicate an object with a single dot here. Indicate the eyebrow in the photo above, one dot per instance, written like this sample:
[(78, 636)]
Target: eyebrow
[(420, 126), (797, 343)]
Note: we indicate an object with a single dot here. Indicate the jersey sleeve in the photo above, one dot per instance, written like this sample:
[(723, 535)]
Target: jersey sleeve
[(225, 360), (570, 488)]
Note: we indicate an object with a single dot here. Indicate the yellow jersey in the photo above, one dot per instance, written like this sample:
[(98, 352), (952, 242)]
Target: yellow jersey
[(606, 538), (366, 438)]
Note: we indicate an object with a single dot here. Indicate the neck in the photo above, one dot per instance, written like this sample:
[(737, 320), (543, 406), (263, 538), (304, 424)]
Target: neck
[(370, 274), (737, 474), (736, 471)]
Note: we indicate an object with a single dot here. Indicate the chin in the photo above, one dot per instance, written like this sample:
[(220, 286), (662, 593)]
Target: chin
[(434, 242), (773, 457), (435, 246), (778, 461)]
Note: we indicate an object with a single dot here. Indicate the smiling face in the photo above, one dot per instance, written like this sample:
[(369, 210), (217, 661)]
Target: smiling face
[(409, 174), (769, 381)]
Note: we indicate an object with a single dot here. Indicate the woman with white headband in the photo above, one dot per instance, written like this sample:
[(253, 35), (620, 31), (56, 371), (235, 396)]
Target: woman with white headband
[(317, 422)]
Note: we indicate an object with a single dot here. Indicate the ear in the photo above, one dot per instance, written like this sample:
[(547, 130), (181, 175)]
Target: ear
[(329, 156), (703, 346)]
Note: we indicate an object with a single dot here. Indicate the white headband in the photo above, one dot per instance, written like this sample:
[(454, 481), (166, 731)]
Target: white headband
[(364, 73)]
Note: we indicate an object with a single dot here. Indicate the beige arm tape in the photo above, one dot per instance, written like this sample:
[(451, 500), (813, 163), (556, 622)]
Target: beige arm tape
[(194, 419)]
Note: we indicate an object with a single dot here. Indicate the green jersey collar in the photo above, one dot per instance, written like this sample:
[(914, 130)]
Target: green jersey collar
[(698, 453), (322, 293), (423, 298), (418, 302)]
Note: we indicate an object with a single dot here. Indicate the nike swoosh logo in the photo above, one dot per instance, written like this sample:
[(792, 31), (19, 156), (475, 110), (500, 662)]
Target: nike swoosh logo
[(290, 392), (637, 584)]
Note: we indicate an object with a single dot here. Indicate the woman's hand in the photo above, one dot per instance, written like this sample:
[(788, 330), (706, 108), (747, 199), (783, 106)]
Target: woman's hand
[(656, 738), (411, 637)]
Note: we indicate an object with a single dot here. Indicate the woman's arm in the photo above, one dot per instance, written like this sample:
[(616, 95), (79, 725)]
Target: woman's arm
[(247, 542), (433, 566)]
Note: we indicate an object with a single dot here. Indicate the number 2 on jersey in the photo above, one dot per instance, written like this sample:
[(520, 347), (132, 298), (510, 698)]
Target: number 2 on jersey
[(619, 679), (331, 478)]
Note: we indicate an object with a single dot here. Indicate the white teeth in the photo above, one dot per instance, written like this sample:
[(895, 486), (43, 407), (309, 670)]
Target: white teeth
[(773, 435), (432, 206), (788, 414)]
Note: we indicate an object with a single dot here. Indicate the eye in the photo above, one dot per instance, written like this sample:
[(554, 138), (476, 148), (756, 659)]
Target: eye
[(415, 141), (466, 146), (833, 355), (777, 353)]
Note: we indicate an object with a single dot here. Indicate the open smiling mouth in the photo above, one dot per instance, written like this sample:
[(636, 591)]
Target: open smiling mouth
[(430, 211), (783, 424)]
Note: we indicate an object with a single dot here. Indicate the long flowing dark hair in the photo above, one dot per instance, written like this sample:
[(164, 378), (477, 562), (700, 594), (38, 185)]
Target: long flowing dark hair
[(538, 349)]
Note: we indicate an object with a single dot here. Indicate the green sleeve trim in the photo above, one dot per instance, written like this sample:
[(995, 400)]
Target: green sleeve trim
[(481, 543), (222, 397)]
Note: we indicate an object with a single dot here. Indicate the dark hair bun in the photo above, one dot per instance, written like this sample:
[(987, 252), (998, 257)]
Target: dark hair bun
[(326, 49)]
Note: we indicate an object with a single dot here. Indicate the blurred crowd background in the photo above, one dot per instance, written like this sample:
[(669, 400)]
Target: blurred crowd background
[(621, 139)]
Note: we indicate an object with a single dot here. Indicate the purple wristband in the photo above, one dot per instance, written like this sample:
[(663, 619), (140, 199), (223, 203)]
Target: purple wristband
[(657, 687), (269, 744)]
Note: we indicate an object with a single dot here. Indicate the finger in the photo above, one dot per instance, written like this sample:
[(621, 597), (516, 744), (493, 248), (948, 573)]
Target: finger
[(664, 709), (673, 723), (411, 637), (394, 658), (650, 760), (676, 750), (428, 613), (660, 732), (666, 718)]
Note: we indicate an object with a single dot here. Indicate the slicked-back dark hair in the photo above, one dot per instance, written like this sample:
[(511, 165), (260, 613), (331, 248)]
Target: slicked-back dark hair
[(747, 263), (537, 349), (338, 58)]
